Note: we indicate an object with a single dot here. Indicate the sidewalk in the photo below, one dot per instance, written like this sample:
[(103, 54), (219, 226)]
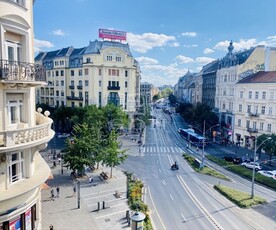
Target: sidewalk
[(63, 212)]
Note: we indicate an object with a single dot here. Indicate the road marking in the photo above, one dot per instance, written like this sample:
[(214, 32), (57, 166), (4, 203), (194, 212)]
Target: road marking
[(111, 214), (163, 182), (183, 217), (160, 170), (156, 211), (171, 196)]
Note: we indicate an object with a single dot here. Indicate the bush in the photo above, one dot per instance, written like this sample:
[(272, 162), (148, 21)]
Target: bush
[(242, 199)]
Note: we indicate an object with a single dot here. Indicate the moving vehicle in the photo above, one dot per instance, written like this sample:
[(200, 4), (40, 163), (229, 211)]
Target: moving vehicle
[(194, 138), (174, 166)]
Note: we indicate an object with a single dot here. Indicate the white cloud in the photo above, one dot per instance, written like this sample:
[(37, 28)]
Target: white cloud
[(241, 45), (184, 59), (189, 34), (208, 51), (58, 32), (39, 44), (174, 44), (204, 60), (147, 41), (146, 61), (190, 46)]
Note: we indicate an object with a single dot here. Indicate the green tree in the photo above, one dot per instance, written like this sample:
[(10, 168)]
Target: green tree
[(268, 146), (79, 149), (166, 92), (113, 156)]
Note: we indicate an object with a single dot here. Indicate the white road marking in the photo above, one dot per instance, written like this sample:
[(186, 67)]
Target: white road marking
[(171, 196), (163, 182), (183, 217)]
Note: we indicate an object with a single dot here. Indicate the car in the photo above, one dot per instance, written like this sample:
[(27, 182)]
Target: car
[(63, 135), (250, 165), (270, 174), (233, 158)]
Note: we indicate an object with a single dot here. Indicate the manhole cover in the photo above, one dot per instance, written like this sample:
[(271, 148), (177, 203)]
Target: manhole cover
[(107, 220)]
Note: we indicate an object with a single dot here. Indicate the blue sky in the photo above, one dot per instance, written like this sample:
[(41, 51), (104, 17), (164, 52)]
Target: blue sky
[(167, 37)]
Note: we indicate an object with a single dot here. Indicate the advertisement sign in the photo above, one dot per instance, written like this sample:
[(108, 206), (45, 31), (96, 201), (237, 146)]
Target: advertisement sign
[(112, 34), (28, 220), (15, 224)]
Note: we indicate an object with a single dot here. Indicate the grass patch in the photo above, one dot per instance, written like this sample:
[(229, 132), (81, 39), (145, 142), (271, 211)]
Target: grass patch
[(205, 170), (242, 171), (242, 199)]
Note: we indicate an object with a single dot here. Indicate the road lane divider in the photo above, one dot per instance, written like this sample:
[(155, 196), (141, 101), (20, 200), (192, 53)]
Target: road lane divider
[(184, 218), (198, 204), (171, 196)]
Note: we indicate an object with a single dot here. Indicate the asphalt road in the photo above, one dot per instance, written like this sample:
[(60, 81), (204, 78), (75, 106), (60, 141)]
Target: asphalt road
[(181, 199)]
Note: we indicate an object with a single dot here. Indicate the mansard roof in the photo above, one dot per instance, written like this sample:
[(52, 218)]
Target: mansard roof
[(210, 67), (96, 46), (260, 77)]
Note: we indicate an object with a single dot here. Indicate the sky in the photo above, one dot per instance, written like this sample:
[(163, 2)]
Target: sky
[(167, 37)]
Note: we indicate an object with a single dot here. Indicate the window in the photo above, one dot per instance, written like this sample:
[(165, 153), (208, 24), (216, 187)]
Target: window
[(72, 73), (256, 95), (14, 52), (62, 83), (126, 73), (268, 127), (57, 73), (61, 62), (254, 125), (264, 95), (223, 106), (80, 83), (250, 95), (224, 92), (271, 95), (15, 108), (261, 126), (113, 72), (86, 83), (80, 72), (57, 93), (57, 83), (125, 84), (249, 108), (118, 59), (88, 60), (56, 63), (62, 73), (16, 167), (86, 71), (225, 78), (240, 108), (118, 72), (270, 111), (72, 83), (256, 109), (247, 124), (62, 93), (109, 58), (239, 122), (263, 110), (100, 72)]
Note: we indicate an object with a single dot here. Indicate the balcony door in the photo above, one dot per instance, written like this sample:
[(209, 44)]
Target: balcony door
[(13, 52)]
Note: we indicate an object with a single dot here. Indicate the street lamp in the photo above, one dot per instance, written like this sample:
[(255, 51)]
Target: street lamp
[(204, 132), (253, 173)]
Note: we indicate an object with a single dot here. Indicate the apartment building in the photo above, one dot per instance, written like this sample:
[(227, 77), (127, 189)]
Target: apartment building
[(102, 72), (231, 69), (23, 131), (147, 91), (255, 110)]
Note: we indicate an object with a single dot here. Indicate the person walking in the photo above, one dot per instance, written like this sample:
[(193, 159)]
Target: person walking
[(52, 194), (74, 190), (57, 189), (90, 179)]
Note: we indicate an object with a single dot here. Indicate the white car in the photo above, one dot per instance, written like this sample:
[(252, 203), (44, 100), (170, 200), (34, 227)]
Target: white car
[(270, 174), (63, 135), (250, 165)]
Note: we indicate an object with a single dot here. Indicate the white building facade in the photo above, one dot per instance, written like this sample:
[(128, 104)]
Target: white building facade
[(101, 73), (23, 131)]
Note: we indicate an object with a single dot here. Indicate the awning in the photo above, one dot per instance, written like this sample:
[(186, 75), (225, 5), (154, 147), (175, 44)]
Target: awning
[(44, 186), (50, 176)]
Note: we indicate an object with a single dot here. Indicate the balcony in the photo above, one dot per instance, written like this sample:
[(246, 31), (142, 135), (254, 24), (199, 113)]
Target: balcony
[(12, 72), (79, 87), (71, 87), (255, 114), (41, 133), (113, 87), (252, 130), (74, 98)]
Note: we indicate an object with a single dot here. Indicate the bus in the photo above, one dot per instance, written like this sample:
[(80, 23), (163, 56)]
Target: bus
[(192, 137)]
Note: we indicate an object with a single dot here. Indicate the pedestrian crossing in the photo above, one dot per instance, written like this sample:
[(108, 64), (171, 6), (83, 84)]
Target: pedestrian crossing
[(162, 149)]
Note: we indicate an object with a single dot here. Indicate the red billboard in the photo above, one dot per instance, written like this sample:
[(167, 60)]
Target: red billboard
[(112, 34)]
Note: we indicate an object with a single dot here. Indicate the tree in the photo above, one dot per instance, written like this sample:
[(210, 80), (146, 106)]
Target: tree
[(113, 156), (172, 99), (79, 149), (268, 146)]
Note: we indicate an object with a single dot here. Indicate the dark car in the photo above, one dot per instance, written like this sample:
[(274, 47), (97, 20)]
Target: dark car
[(233, 158)]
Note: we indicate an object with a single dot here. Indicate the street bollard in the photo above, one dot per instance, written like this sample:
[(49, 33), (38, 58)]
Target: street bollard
[(103, 204), (98, 206)]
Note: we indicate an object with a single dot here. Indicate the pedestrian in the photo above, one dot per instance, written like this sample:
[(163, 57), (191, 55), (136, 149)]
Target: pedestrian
[(52, 194), (90, 179), (74, 190), (51, 227), (197, 149), (57, 191)]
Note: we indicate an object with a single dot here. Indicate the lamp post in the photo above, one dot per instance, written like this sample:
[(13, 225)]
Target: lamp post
[(253, 172), (204, 132)]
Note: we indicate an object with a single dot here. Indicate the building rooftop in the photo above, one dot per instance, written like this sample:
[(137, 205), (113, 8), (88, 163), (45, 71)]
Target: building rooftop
[(260, 77)]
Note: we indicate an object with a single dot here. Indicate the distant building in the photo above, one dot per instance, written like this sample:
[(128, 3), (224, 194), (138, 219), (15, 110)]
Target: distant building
[(23, 131), (147, 91), (102, 72), (255, 107)]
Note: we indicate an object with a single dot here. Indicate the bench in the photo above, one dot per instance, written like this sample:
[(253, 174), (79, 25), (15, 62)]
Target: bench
[(117, 194), (104, 175)]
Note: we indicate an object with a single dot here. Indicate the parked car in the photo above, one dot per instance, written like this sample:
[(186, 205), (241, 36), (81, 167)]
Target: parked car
[(233, 158), (270, 174), (63, 135), (250, 165)]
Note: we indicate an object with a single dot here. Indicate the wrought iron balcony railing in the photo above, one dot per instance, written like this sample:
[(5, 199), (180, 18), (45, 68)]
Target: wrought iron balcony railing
[(113, 87), (79, 87), (21, 71), (74, 98), (252, 130)]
